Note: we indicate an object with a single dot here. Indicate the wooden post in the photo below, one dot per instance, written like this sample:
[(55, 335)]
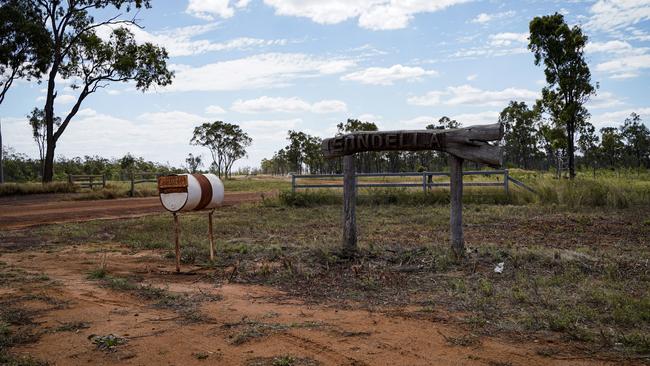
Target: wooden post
[(132, 185), (506, 178), (90, 182), (103, 180), (211, 237), (349, 205), (70, 179), (456, 191), (424, 182), (293, 183), (177, 242)]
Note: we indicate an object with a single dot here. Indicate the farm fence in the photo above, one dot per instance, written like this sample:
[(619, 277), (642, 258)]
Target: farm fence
[(426, 182)]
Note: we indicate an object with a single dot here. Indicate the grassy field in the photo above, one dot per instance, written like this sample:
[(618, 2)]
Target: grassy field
[(573, 275)]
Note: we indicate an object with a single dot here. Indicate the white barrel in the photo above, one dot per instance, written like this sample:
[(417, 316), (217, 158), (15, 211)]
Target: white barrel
[(190, 192)]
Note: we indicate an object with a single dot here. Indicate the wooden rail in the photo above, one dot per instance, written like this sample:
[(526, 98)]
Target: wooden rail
[(426, 182), (143, 177), (87, 180)]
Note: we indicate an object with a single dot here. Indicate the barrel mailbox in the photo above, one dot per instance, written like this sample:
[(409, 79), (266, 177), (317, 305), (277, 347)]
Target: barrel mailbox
[(190, 192)]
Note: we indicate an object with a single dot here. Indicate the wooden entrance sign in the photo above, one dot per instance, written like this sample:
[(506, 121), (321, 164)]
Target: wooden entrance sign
[(469, 143)]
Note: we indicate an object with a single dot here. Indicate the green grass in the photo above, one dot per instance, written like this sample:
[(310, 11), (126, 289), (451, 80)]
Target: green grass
[(19, 189), (574, 273)]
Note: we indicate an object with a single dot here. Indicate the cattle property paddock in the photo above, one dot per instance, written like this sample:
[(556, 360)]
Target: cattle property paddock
[(585, 298)]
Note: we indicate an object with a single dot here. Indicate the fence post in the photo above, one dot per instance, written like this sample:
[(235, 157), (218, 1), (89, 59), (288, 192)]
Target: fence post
[(349, 205), (506, 179), (424, 182), (70, 179), (293, 183), (90, 182), (103, 180), (456, 217), (132, 185)]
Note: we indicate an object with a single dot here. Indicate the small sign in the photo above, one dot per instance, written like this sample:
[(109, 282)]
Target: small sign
[(172, 184)]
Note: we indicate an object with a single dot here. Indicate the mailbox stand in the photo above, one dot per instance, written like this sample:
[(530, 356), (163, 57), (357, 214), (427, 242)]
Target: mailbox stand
[(177, 232)]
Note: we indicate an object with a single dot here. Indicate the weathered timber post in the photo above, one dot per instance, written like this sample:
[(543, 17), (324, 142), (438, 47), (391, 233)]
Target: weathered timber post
[(103, 180), (456, 192), (506, 178), (177, 248), (293, 183), (211, 236), (349, 205), (132, 191)]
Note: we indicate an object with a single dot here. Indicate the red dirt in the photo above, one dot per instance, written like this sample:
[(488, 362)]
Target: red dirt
[(22, 213), (157, 337)]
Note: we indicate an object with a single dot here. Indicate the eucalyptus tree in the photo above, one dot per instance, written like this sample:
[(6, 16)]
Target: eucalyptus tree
[(521, 139), (36, 120), (226, 142), (637, 140), (561, 49), (87, 61), (25, 47)]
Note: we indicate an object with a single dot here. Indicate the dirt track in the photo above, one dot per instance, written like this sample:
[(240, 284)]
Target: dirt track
[(242, 325), (17, 213)]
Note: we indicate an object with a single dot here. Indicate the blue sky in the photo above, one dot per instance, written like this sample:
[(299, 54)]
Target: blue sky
[(274, 65)]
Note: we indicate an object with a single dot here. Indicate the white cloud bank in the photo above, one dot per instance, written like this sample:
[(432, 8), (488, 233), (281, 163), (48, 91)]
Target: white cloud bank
[(266, 104), (208, 9), (609, 15), (372, 14), (469, 95), (180, 41), (484, 18), (269, 70), (388, 75)]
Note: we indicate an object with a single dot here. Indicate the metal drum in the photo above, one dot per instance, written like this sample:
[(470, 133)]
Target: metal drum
[(190, 192)]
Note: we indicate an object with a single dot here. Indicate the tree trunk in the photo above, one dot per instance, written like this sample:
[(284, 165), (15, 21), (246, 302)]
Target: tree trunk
[(570, 151), (48, 168), (2, 173)]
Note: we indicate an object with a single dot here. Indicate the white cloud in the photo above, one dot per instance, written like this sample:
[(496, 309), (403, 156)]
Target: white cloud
[(616, 118), (388, 75), (613, 47), (266, 104), (466, 119), (609, 15), (507, 38), (369, 117), (268, 70), (372, 14), (208, 9), (604, 100), (486, 18), (180, 41), (214, 109), (61, 99), (625, 66), (472, 77), (469, 95)]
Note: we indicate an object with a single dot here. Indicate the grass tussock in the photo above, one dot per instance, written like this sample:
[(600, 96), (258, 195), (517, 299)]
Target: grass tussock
[(20, 189)]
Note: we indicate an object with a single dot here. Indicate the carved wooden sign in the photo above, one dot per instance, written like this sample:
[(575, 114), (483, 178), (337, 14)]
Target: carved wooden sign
[(469, 143), (172, 184)]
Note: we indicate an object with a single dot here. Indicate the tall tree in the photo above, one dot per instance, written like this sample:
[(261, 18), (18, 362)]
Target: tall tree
[(25, 47), (637, 140), (193, 163), (36, 121), (521, 138), (561, 49), (612, 146), (588, 145), (226, 142), (90, 62)]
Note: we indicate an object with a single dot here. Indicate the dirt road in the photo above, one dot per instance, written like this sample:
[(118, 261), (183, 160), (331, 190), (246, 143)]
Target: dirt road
[(30, 211), (226, 323)]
